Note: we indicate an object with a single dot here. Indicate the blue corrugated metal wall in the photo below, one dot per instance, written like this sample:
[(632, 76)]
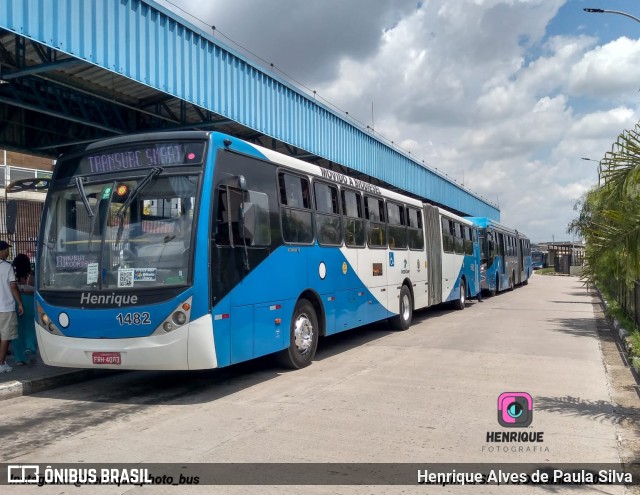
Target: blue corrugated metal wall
[(145, 42)]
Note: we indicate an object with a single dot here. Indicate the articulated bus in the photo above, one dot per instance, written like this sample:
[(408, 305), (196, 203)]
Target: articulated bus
[(505, 256), (194, 250)]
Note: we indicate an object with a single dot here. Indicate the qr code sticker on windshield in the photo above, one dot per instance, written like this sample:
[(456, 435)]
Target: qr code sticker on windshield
[(125, 277)]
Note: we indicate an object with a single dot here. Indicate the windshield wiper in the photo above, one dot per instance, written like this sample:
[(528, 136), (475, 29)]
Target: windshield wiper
[(83, 195), (134, 194)]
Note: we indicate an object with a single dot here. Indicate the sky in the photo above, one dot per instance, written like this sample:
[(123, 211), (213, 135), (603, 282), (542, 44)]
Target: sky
[(504, 96)]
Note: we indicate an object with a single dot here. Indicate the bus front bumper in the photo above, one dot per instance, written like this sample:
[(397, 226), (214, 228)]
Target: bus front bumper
[(187, 348)]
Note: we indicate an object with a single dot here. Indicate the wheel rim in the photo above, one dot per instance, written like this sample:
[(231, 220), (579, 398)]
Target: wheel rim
[(405, 307), (303, 333), (463, 294)]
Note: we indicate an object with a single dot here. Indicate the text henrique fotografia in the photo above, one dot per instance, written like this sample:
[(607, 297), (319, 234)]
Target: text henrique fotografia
[(502, 441), (515, 410)]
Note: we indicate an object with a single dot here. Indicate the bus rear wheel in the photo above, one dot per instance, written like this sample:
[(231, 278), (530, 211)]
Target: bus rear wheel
[(461, 302), (405, 315), (493, 291), (303, 337)]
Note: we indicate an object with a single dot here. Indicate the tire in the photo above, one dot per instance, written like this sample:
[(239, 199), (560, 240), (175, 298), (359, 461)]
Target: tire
[(494, 291), (462, 301), (303, 337), (512, 281), (405, 311)]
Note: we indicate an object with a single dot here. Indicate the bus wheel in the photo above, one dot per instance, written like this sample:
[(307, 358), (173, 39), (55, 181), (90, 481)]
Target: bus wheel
[(303, 337), (512, 281), (493, 291), (403, 320), (461, 302)]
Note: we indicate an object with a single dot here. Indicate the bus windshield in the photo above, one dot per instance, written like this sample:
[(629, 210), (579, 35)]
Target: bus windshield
[(119, 234)]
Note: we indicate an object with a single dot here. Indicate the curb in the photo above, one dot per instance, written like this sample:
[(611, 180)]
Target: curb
[(623, 335), (17, 388)]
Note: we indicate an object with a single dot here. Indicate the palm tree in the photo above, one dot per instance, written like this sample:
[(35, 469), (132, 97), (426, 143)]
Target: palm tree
[(609, 218)]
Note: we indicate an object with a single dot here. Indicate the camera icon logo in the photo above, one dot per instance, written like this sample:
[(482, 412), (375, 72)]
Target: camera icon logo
[(515, 409)]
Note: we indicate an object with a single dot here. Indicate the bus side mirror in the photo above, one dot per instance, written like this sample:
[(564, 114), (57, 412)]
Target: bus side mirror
[(11, 216)]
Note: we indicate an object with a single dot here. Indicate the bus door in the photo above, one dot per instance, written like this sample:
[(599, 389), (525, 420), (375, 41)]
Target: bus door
[(433, 253), (242, 306), (502, 253), (521, 268)]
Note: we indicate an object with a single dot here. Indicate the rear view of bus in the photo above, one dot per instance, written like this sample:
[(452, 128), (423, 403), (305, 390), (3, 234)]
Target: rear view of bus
[(117, 249)]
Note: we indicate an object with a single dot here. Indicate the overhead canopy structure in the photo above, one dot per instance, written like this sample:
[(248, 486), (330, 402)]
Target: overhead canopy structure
[(75, 71)]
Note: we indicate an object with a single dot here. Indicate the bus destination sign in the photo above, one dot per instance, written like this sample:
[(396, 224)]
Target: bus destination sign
[(154, 155)]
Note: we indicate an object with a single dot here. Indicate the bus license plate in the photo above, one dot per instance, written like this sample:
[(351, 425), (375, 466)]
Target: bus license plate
[(106, 358)]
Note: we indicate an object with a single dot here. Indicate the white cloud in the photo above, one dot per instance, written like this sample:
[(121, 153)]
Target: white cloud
[(608, 70), (474, 88)]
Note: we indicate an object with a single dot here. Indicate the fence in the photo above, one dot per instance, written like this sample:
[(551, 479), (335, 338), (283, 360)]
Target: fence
[(27, 225), (627, 297)]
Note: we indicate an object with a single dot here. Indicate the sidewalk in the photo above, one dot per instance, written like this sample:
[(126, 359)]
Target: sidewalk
[(31, 378)]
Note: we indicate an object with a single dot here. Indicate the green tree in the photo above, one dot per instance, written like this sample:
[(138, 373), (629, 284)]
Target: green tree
[(609, 215)]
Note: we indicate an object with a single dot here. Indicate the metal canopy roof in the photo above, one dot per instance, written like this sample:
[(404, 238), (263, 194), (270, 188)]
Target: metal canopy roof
[(75, 71)]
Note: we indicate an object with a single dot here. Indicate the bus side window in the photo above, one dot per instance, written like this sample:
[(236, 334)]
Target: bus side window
[(353, 220), (448, 244), (327, 214), (414, 230), (374, 209), (397, 226), (295, 209), (458, 238)]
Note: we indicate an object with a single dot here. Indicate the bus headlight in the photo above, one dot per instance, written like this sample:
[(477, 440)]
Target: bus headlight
[(46, 322), (179, 317)]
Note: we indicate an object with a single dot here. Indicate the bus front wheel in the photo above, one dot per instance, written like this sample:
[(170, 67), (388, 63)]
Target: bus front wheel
[(303, 337), (405, 315)]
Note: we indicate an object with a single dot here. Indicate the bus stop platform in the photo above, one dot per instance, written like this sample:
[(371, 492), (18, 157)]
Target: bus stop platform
[(36, 377)]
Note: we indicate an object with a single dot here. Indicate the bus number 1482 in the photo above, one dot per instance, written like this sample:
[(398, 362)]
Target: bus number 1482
[(134, 318)]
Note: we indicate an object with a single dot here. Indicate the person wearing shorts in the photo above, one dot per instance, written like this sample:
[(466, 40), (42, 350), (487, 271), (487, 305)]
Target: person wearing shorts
[(9, 297)]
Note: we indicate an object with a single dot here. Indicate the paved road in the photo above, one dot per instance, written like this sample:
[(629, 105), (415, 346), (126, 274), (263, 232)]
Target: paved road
[(425, 395)]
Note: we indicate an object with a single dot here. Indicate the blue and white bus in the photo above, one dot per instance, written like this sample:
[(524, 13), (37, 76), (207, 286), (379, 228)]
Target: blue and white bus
[(505, 256), (194, 250), (538, 259), (460, 254)]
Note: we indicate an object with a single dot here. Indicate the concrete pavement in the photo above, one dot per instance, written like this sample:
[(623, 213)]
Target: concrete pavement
[(36, 377), (32, 378)]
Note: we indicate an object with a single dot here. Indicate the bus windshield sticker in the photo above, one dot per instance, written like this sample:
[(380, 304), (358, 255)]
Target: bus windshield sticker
[(92, 273), (125, 277), (144, 274), (377, 269), (74, 261)]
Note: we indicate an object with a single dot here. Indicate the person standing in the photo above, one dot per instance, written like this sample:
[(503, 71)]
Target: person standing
[(8, 294), (24, 347)]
